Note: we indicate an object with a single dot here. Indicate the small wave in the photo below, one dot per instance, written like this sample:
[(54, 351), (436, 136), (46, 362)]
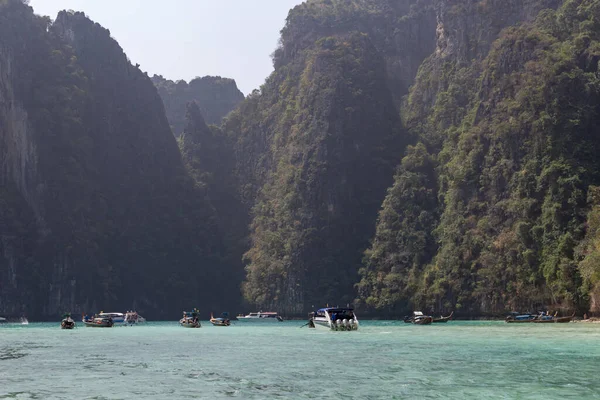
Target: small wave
[(11, 354), (21, 395)]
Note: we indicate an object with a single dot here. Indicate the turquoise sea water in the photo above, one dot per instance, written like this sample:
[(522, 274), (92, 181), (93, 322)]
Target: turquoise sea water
[(383, 360)]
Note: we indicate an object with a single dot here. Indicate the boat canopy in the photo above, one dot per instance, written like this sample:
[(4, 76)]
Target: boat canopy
[(334, 309), (111, 314), (418, 313), (190, 313)]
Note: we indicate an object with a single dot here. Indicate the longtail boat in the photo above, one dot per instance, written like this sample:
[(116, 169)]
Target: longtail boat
[(562, 320), (420, 319), (67, 322), (224, 321), (516, 318), (443, 319), (98, 322), (190, 319), (541, 318)]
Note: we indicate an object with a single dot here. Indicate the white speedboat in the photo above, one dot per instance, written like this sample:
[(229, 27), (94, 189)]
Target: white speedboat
[(260, 316), (133, 318), (335, 319), (117, 317), (2, 320)]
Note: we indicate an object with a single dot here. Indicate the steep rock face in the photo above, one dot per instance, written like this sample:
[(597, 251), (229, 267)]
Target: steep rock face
[(208, 156), (317, 206), (588, 253), (216, 97), (316, 147), (20, 203), (38, 114), (402, 31), (19, 153), (465, 32), (98, 208), (467, 29), (507, 144)]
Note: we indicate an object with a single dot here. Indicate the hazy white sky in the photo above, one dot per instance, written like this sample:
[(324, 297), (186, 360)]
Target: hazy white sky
[(182, 39)]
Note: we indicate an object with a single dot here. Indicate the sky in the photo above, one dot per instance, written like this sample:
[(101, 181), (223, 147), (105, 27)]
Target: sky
[(190, 38)]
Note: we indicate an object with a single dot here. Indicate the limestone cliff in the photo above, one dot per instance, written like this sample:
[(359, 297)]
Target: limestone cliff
[(98, 209), (216, 97)]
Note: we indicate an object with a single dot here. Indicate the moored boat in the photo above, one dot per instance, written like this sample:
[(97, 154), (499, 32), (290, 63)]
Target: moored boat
[(517, 318), (544, 318), (563, 320), (2, 320), (420, 319), (190, 319), (335, 319), (133, 318), (98, 322), (443, 319), (541, 318), (117, 317), (260, 316), (67, 322), (223, 321)]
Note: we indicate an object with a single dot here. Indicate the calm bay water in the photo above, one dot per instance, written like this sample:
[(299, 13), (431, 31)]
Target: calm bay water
[(383, 360)]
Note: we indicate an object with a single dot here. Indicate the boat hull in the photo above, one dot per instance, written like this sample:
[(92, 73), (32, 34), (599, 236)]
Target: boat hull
[(98, 325), (67, 325), (133, 319), (220, 323), (326, 325), (244, 319), (563, 320), (513, 321), (443, 320), (555, 320), (189, 324), (423, 320)]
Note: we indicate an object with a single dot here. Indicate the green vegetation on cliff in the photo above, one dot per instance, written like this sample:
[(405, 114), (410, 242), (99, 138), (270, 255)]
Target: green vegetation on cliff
[(510, 146), (333, 158), (317, 145), (478, 117)]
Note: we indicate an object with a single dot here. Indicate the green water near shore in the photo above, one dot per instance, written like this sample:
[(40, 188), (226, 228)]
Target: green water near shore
[(383, 360)]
